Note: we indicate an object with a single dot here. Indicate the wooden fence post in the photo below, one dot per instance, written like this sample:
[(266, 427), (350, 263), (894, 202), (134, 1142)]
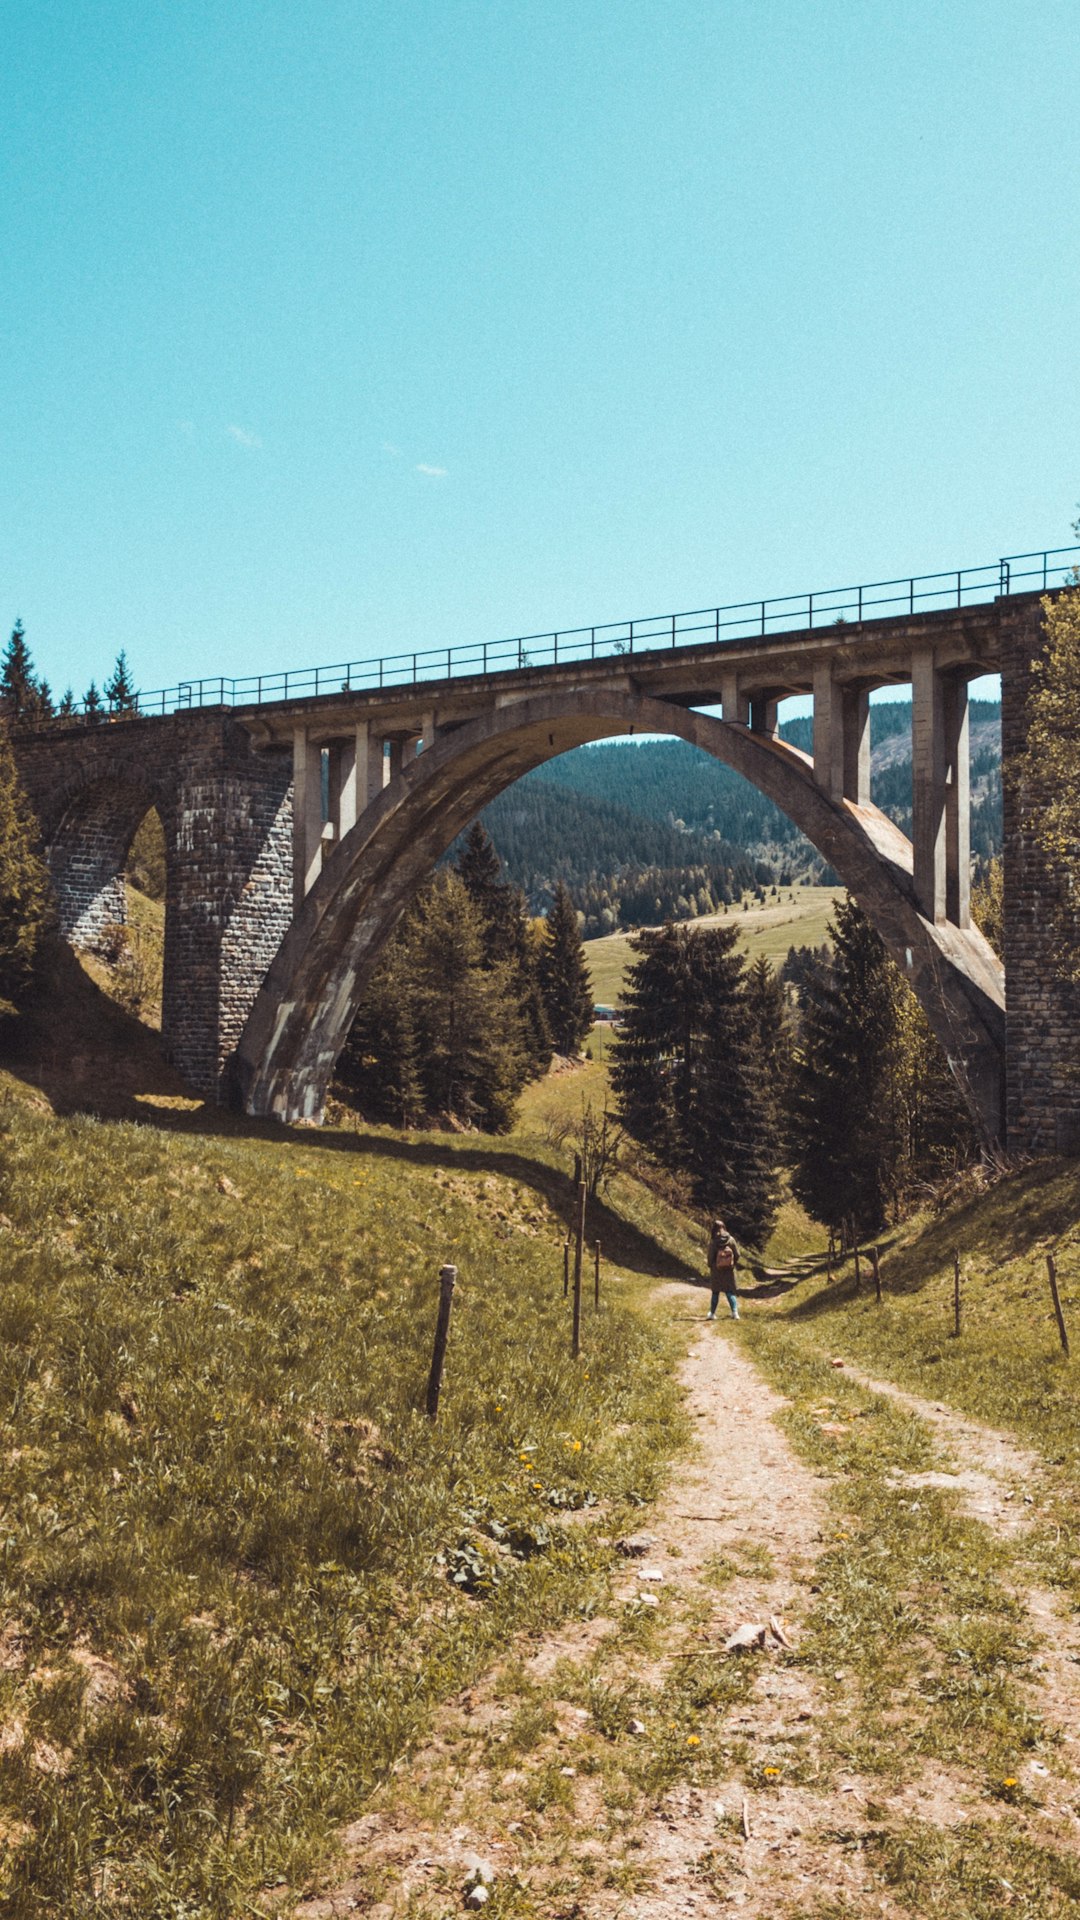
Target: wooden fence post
[(957, 1303), (596, 1279), (566, 1268), (1055, 1296), (447, 1279), (579, 1248), (875, 1262), (829, 1261), (858, 1270)]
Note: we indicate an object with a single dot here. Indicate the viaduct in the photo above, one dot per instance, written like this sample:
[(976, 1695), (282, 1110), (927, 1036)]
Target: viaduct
[(301, 813)]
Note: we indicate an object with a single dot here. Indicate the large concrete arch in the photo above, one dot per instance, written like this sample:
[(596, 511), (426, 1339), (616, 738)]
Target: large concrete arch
[(303, 1012)]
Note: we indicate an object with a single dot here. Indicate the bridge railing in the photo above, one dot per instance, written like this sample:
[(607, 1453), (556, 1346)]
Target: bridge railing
[(743, 621)]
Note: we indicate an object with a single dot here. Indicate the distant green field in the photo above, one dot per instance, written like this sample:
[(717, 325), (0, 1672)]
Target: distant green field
[(797, 918)]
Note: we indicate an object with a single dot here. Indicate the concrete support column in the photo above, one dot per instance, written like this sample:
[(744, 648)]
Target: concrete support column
[(409, 749), (763, 715), (427, 733), (376, 763), (855, 726), (307, 814), (345, 802), (928, 771), (828, 732), (733, 704), (957, 805), (395, 760)]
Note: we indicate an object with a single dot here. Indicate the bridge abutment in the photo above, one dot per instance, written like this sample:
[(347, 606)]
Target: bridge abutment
[(229, 898), (1042, 1065)]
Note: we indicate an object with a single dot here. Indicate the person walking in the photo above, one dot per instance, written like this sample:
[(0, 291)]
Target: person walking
[(723, 1262)]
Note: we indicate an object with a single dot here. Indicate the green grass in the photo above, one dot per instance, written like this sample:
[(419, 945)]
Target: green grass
[(798, 917), (228, 1530)]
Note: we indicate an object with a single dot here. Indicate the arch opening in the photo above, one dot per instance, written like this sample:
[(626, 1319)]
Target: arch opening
[(108, 862), (304, 1010)]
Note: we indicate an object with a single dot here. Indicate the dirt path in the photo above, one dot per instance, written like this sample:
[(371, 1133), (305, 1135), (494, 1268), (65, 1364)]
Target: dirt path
[(1000, 1482), (522, 1779), (734, 1541)]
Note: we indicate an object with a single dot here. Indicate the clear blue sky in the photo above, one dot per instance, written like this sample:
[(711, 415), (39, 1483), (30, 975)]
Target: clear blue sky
[(338, 329)]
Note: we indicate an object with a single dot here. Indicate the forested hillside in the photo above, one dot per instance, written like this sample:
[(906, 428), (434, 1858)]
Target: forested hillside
[(643, 830)]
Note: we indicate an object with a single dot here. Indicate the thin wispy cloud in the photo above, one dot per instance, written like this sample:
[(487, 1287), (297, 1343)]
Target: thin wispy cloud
[(242, 437), (433, 473), (389, 447)]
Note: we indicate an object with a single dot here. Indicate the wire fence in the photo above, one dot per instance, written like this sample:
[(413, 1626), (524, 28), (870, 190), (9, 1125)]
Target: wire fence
[(743, 622)]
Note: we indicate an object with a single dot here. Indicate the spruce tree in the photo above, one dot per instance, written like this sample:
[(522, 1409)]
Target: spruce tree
[(504, 917), (18, 686), (732, 1144), (564, 976), (24, 888), (686, 1076), (119, 691), (842, 1131), (92, 706), (439, 1031), (380, 1062), (650, 1044)]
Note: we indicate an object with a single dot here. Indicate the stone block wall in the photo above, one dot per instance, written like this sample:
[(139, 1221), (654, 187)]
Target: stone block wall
[(1042, 1058), (229, 893), (226, 811)]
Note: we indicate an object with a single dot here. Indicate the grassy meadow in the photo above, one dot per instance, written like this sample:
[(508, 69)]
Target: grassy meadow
[(242, 1572), (798, 917), (240, 1566)]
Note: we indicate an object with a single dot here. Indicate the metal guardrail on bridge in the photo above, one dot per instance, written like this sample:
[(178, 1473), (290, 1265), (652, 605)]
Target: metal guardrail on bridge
[(744, 621)]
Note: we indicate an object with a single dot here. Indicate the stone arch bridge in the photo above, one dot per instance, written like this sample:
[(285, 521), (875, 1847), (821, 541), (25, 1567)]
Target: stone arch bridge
[(298, 828)]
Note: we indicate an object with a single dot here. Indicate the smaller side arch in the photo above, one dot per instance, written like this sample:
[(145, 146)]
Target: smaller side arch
[(86, 853), (302, 1015)]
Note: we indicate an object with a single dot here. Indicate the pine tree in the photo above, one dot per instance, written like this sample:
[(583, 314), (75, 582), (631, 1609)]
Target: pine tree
[(770, 1032), (686, 1076), (564, 976), (503, 913), (18, 686), (24, 888), (647, 1058), (843, 1135), (732, 1144), (439, 1031), (92, 706), (119, 691), (66, 709), (380, 1063)]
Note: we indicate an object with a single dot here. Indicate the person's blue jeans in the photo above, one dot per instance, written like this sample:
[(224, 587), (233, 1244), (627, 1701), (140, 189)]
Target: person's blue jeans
[(731, 1298)]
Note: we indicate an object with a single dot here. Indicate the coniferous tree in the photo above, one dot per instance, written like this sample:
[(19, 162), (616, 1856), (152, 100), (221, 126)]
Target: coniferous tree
[(92, 706), (770, 1033), (66, 709), (439, 1031), (731, 1134), (24, 888), (381, 1059), (687, 1079), (504, 917), (842, 1134), (119, 691), (564, 976), (648, 1058), (18, 686)]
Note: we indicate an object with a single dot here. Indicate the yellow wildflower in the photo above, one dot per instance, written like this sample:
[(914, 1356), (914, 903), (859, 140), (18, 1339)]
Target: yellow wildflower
[(771, 1773), (692, 1740)]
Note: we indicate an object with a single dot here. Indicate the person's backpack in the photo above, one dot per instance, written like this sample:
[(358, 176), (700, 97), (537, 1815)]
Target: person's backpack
[(723, 1259)]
